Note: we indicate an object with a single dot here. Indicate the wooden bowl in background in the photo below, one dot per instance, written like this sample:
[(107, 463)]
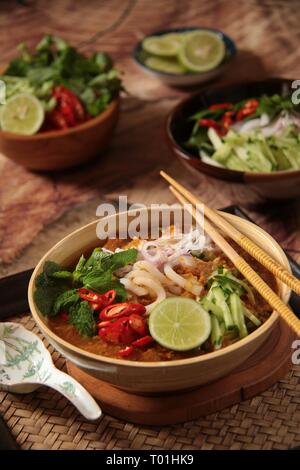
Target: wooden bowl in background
[(58, 150), (142, 377), (277, 185)]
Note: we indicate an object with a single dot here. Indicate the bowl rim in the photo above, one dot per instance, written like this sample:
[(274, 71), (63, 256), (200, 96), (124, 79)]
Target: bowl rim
[(114, 103), (228, 41), (37, 316), (185, 154)]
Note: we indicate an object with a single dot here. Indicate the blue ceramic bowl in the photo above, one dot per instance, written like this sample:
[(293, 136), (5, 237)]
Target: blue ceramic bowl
[(189, 78)]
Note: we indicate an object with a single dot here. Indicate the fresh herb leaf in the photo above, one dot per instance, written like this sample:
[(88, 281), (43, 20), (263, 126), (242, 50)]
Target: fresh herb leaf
[(81, 316), (103, 260), (66, 300), (48, 288), (54, 62), (120, 259), (62, 275), (79, 269), (102, 281)]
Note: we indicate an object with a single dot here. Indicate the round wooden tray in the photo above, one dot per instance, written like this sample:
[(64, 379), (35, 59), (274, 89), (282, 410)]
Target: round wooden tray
[(268, 365)]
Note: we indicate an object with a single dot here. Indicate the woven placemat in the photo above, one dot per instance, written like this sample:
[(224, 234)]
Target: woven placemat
[(46, 420)]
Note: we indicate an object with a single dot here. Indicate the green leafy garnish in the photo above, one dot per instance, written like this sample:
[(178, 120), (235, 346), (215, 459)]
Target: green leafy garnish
[(48, 288), (56, 288), (66, 300), (98, 271), (102, 281), (81, 316), (54, 62)]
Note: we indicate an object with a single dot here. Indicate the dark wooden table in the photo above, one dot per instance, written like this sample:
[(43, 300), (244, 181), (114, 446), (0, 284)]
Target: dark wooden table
[(37, 209)]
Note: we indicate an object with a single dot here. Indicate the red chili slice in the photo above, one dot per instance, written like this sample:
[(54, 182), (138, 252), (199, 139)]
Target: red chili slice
[(97, 301), (141, 342), (118, 332), (89, 295), (104, 324), (68, 105), (109, 297), (68, 113), (57, 120), (119, 310), (138, 324), (253, 103), (126, 351)]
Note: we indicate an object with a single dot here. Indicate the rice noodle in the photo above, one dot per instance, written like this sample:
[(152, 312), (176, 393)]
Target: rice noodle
[(154, 286), (186, 284), (132, 287), (144, 265)]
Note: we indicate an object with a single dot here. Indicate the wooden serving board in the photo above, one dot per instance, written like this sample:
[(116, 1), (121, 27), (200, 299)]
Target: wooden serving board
[(268, 365)]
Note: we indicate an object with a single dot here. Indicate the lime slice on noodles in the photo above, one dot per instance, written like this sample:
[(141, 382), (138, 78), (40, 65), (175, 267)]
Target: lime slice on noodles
[(201, 51), (22, 114), (161, 45), (179, 324), (164, 64)]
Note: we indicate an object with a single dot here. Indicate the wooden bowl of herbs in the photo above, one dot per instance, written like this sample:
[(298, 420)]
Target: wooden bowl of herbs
[(60, 107)]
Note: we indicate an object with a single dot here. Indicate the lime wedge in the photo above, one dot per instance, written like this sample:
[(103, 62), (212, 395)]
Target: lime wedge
[(179, 323), (22, 114), (201, 51), (176, 38), (166, 65), (161, 45)]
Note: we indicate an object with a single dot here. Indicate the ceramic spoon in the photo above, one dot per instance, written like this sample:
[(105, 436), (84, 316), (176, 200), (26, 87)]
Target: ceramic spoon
[(25, 363)]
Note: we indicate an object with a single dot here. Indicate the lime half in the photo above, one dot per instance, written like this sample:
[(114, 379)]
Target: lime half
[(164, 64), (161, 45), (201, 51), (22, 114), (179, 323)]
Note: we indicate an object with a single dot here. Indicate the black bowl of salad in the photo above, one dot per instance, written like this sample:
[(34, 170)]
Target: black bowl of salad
[(243, 132), (59, 107)]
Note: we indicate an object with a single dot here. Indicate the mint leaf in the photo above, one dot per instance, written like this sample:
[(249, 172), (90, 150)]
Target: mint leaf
[(66, 300), (49, 288), (101, 282), (81, 316), (62, 275)]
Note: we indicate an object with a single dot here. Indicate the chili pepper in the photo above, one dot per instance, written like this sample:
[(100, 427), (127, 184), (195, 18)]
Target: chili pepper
[(104, 324), (227, 120), (209, 123), (57, 120), (69, 105), (138, 324), (109, 297), (64, 315), (120, 310), (242, 113), (144, 341), (249, 108), (89, 295), (106, 299), (97, 301), (251, 103), (68, 113), (220, 106), (126, 351), (119, 332)]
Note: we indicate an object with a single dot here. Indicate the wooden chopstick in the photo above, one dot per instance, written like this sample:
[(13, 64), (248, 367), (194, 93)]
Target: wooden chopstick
[(246, 243), (255, 280)]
